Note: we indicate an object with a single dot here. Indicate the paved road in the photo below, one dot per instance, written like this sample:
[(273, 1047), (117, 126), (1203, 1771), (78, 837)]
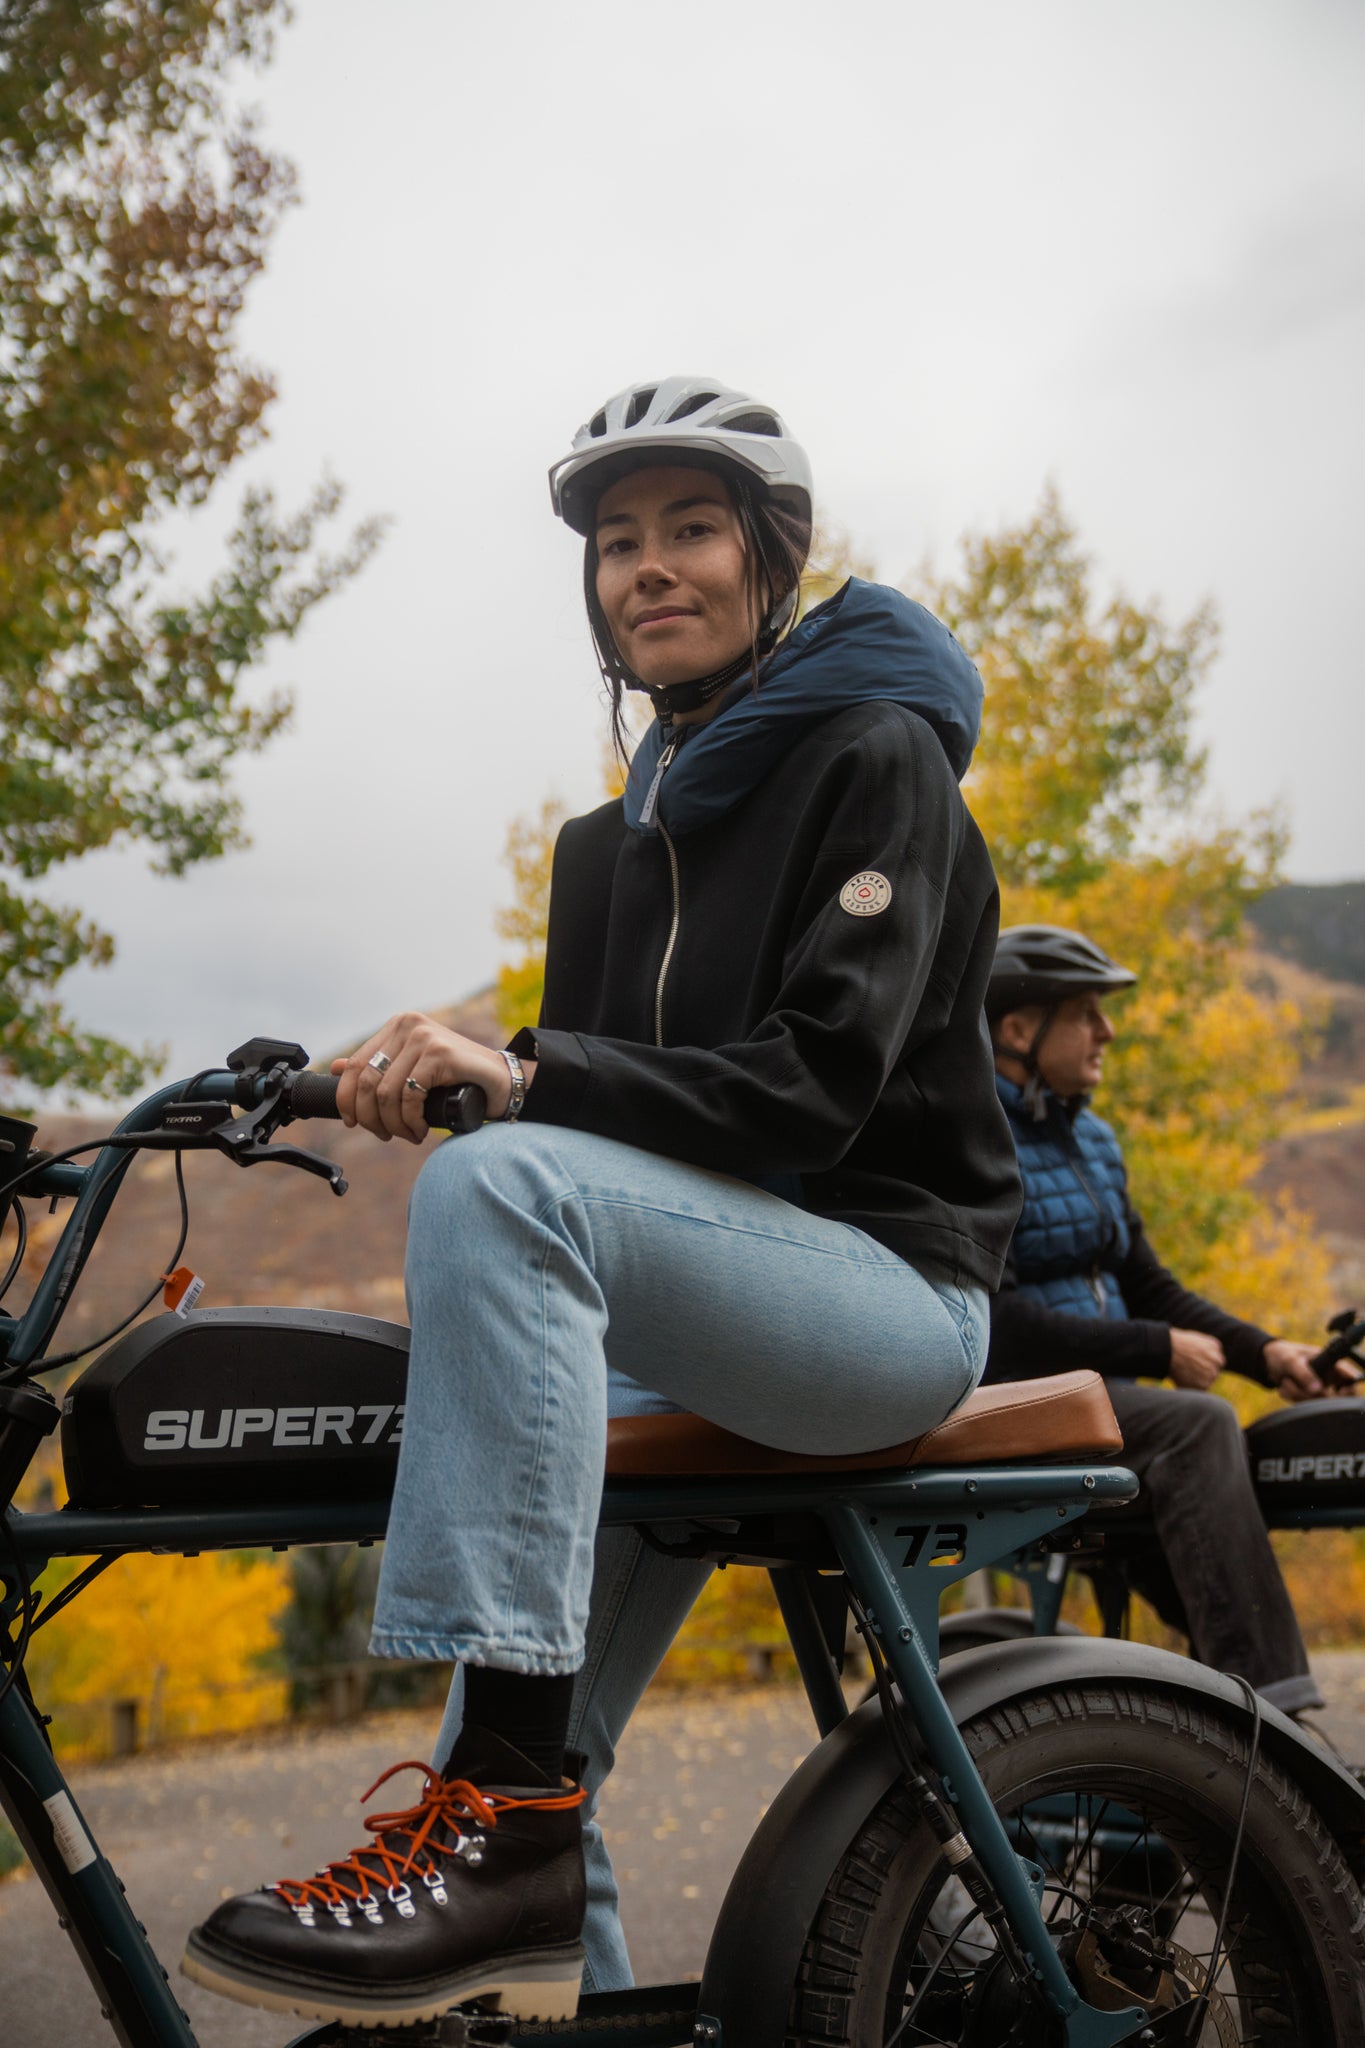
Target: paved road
[(694, 1775)]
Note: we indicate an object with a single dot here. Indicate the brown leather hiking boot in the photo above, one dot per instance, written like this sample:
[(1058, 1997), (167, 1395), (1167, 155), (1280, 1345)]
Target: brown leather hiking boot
[(476, 1892)]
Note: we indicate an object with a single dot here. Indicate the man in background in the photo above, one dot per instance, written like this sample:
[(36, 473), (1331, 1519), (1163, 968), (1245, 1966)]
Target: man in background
[(1083, 1287)]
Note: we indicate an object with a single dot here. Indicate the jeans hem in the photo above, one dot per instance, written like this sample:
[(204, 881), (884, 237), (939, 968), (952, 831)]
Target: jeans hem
[(1292, 1695), (533, 1660)]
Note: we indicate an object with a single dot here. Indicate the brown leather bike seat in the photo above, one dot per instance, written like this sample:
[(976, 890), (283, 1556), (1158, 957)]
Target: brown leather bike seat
[(1066, 1416)]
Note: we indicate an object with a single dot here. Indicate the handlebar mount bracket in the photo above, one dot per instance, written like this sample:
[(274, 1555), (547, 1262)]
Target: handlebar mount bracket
[(258, 1054)]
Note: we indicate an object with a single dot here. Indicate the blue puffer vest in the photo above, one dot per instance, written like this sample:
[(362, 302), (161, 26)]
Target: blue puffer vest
[(1074, 1224)]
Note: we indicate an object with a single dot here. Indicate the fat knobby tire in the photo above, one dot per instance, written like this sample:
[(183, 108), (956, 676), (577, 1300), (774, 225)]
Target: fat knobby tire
[(1176, 1749)]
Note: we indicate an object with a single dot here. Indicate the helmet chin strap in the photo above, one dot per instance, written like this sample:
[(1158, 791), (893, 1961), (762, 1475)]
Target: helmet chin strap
[(1035, 1095), (670, 698), (1036, 1089)]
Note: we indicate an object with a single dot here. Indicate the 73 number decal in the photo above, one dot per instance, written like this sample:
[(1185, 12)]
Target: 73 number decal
[(949, 1542)]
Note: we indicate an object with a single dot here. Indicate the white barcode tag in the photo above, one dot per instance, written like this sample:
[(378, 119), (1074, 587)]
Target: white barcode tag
[(77, 1850), (182, 1290)]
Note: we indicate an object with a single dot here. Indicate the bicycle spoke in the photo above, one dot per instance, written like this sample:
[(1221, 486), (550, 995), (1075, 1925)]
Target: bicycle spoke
[(1113, 1850)]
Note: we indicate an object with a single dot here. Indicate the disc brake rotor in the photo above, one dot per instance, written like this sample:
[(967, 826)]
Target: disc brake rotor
[(1220, 2028)]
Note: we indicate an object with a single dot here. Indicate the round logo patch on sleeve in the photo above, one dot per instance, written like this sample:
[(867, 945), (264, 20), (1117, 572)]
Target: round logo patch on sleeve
[(865, 894)]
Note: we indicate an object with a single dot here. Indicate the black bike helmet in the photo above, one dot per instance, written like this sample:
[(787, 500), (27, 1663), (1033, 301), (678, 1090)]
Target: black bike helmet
[(1044, 963)]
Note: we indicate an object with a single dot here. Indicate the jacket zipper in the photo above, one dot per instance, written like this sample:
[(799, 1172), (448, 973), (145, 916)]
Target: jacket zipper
[(1094, 1276), (651, 802), (648, 817), (672, 938)]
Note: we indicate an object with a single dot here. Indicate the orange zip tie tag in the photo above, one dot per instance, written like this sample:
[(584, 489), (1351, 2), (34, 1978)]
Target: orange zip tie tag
[(182, 1290)]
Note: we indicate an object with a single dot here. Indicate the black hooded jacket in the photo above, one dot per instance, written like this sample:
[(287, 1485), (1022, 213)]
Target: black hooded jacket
[(791, 991)]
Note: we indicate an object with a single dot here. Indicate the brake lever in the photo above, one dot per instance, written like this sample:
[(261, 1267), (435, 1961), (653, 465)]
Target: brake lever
[(248, 1150), (247, 1139)]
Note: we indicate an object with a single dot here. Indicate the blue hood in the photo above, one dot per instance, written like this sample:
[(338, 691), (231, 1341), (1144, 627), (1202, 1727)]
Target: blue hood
[(866, 642)]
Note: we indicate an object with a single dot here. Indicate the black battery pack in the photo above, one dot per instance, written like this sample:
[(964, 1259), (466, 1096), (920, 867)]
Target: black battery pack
[(238, 1407), (1310, 1456)]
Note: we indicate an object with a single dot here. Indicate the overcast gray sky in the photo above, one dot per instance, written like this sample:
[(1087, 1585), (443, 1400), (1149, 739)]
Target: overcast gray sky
[(962, 247)]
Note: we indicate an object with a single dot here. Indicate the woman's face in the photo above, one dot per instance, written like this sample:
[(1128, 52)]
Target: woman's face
[(672, 573)]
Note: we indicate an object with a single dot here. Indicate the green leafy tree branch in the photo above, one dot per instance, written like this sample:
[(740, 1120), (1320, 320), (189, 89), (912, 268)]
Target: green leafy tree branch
[(137, 204)]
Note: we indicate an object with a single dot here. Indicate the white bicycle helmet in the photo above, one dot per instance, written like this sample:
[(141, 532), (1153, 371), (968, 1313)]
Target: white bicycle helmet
[(679, 417)]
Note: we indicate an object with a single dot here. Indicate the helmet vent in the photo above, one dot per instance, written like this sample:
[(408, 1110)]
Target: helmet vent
[(754, 423), (640, 402), (693, 404), (597, 425)]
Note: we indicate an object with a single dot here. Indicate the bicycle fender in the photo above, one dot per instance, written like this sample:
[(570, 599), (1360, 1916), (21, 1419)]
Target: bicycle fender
[(761, 1931), (977, 1680)]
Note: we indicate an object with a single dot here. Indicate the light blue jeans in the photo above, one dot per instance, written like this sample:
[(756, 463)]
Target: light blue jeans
[(555, 1277)]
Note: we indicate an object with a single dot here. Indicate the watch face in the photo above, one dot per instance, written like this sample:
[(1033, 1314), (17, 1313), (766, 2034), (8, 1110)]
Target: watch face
[(865, 894)]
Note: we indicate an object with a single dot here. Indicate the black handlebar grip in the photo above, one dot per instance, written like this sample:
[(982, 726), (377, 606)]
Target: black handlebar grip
[(1341, 1346), (458, 1110), (314, 1095)]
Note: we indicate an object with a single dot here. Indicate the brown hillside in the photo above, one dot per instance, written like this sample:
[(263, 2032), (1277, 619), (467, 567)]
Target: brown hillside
[(1321, 1169), (1335, 1022)]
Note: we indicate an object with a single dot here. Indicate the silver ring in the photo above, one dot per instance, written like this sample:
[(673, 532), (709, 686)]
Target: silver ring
[(381, 1063), (416, 1086)]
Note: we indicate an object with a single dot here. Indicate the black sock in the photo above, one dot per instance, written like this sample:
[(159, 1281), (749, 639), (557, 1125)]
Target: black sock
[(530, 1712)]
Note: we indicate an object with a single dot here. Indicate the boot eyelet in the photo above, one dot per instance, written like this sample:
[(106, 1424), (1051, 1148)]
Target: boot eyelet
[(401, 1896), (435, 1884)]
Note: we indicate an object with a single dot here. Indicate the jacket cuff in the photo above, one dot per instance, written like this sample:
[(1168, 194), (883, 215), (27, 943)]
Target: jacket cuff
[(1155, 1341), (562, 1074), (1246, 1354)]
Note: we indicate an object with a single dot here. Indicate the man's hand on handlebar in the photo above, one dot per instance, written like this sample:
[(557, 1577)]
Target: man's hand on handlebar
[(416, 1047), (1290, 1369)]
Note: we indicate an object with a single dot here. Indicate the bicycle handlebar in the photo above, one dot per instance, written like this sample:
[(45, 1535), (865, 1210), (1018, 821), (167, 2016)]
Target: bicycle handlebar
[(1342, 1346), (460, 1108), (269, 1080)]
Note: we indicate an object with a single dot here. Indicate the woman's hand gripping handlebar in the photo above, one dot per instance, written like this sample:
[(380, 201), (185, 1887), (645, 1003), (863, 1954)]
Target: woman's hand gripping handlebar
[(459, 1108), (390, 1084), (270, 1083)]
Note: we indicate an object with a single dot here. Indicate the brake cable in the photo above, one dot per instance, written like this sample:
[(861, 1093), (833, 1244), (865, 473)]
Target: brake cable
[(27, 1608), (97, 1343), (21, 1225)]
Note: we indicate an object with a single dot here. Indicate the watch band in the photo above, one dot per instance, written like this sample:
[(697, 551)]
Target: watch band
[(516, 1073)]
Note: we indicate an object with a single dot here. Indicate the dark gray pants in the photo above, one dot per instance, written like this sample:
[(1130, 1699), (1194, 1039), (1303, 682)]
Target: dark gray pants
[(1214, 1576)]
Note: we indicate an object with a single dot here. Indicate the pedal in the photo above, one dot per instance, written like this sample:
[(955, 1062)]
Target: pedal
[(451, 2030), (648, 2016)]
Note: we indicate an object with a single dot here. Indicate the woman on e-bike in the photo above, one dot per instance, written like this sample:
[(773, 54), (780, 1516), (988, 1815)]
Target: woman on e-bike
[(750, 1164)]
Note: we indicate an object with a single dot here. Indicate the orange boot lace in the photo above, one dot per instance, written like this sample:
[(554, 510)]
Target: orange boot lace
[(445, 1806)]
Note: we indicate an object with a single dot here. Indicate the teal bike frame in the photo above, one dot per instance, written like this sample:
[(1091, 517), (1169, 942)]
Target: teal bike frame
[(900, 1541)]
